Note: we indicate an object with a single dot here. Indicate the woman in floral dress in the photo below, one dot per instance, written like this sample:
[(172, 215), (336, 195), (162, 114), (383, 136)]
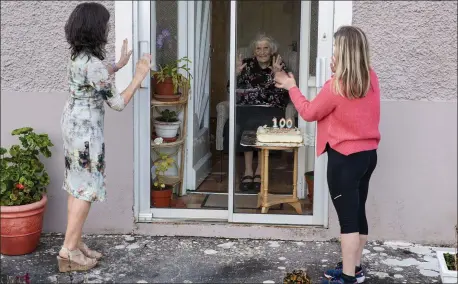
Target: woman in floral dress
[(83, 122)]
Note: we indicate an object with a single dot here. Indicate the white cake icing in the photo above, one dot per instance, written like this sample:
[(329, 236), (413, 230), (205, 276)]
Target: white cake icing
[(266, 134)]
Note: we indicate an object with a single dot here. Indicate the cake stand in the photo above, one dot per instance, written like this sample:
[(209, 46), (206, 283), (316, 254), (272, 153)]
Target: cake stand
[(266, 200)]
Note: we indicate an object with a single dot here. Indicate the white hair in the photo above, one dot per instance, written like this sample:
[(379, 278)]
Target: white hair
[(263, 37)]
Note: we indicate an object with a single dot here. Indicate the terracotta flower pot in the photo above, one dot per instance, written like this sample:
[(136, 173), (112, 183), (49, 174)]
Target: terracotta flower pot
[(161, 198), (21, 227), (309, 179), (165, 88)]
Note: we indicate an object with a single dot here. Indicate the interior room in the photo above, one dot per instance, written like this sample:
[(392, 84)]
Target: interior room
[(281, 21)]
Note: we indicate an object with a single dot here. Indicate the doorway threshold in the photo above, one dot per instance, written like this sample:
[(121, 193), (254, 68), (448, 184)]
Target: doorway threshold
[(224, 229)]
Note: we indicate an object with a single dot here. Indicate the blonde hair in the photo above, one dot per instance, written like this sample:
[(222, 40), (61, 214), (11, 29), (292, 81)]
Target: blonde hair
[(263, 37), (352, 63)]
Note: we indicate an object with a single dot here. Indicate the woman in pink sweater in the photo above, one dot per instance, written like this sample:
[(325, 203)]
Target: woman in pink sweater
[(347, 110)]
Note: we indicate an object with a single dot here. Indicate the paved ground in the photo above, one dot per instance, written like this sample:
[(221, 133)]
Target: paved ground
[(143, 259)]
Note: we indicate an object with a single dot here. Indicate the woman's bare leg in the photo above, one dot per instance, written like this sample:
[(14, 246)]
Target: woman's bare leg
[(258, 168), (359, 254), (69, 206), (350, 248), (248, 163), (77, 214)]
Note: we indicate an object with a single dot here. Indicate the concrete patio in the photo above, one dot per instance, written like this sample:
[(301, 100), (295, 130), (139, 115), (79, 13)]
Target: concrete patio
[(145, 259)]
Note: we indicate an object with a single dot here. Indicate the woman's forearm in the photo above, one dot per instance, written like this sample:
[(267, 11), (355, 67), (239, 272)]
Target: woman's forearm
[(128, 93), (113, 68)]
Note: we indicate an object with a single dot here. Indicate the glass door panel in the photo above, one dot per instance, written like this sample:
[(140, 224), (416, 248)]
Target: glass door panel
[(172, 30), (269, 182)]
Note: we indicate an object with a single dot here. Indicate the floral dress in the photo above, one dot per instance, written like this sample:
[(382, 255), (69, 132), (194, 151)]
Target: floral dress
[(82, 127)]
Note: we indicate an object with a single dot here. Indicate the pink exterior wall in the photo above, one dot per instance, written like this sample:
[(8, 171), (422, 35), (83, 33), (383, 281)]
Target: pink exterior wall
[(414, 190), (34, 57)]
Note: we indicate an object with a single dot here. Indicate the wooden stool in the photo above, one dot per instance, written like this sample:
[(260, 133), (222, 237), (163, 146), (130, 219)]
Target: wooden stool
[(266, 200)]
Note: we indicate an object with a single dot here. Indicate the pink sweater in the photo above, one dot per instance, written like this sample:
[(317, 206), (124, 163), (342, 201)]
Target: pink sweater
[(349, 126)]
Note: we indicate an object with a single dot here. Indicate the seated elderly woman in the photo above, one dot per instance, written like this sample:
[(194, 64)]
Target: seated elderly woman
[(258, 100)]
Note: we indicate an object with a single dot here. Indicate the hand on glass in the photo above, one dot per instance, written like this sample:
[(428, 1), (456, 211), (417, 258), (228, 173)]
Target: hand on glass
[(284, 81), (239, 65), (277, 64), (333, 64), (125, 55), (143, 67)]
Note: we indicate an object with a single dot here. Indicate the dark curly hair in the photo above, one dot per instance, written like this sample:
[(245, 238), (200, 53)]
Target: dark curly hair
[(86, 30)]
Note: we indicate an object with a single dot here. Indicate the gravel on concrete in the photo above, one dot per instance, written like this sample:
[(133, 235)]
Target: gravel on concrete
[(148, 259)]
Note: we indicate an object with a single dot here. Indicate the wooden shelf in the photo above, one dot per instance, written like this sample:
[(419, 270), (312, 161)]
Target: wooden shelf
[(179, 142), (177, 146), (182, 100)]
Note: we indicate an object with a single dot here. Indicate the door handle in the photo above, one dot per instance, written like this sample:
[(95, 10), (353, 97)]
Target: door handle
[(320, 73), (143, 47)]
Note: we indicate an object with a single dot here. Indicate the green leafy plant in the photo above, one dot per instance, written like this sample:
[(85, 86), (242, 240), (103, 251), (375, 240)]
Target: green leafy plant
[(23, 178), (172, 71), (167, 116), (161, 165)]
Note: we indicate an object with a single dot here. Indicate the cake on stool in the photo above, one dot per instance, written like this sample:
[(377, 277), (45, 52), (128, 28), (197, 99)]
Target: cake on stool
[(280, 134)]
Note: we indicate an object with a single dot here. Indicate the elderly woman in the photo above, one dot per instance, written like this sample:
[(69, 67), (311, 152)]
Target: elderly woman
[(258, 100), (82, 123)]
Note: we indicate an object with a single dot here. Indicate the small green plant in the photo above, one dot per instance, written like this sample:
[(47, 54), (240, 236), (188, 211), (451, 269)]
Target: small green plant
[(168, 116), (172, 71), (450, 261), (161, 165), (23, 178)]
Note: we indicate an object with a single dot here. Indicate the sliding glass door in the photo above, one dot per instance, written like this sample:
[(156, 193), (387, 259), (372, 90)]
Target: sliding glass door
[(274, 183)]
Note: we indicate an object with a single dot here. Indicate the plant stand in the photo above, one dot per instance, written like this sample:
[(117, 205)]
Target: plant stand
[(178, 144), (447, 276)]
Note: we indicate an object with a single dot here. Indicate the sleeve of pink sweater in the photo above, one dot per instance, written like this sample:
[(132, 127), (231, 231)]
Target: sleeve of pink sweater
[(322, 105)]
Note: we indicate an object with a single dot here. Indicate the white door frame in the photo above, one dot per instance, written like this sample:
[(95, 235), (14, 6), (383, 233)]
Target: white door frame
[(126, 26), (198, 155)]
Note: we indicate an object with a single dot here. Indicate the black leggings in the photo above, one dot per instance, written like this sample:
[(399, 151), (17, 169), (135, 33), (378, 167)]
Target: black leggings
[(348, 181)]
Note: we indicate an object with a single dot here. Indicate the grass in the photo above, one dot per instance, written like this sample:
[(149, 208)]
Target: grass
[(450, 261)]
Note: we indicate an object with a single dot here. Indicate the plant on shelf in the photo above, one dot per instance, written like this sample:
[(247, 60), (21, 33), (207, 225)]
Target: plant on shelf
[(23, 183), (161, 193), (168, 116), (166, 125), (169, 79)]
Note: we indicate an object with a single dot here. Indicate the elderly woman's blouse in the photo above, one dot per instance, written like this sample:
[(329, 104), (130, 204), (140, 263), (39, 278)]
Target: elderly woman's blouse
[(256, 86)]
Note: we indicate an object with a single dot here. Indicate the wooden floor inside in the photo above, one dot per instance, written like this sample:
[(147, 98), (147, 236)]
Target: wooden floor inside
[(213, 192)]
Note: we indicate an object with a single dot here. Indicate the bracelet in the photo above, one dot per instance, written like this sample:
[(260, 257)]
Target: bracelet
[(114, 67)]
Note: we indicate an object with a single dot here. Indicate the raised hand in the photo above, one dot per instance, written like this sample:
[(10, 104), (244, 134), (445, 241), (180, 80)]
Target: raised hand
[(284, 81), (277, 64), (239, 65), (143, 67), (125, 55)]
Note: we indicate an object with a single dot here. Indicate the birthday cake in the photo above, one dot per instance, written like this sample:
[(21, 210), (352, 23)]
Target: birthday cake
[(266, 134)]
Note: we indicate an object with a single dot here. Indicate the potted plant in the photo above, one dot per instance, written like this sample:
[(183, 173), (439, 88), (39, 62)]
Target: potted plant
[(161, 193), (23, 183), (166, 125), (448, 262), (309, 179), (168, 80)]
